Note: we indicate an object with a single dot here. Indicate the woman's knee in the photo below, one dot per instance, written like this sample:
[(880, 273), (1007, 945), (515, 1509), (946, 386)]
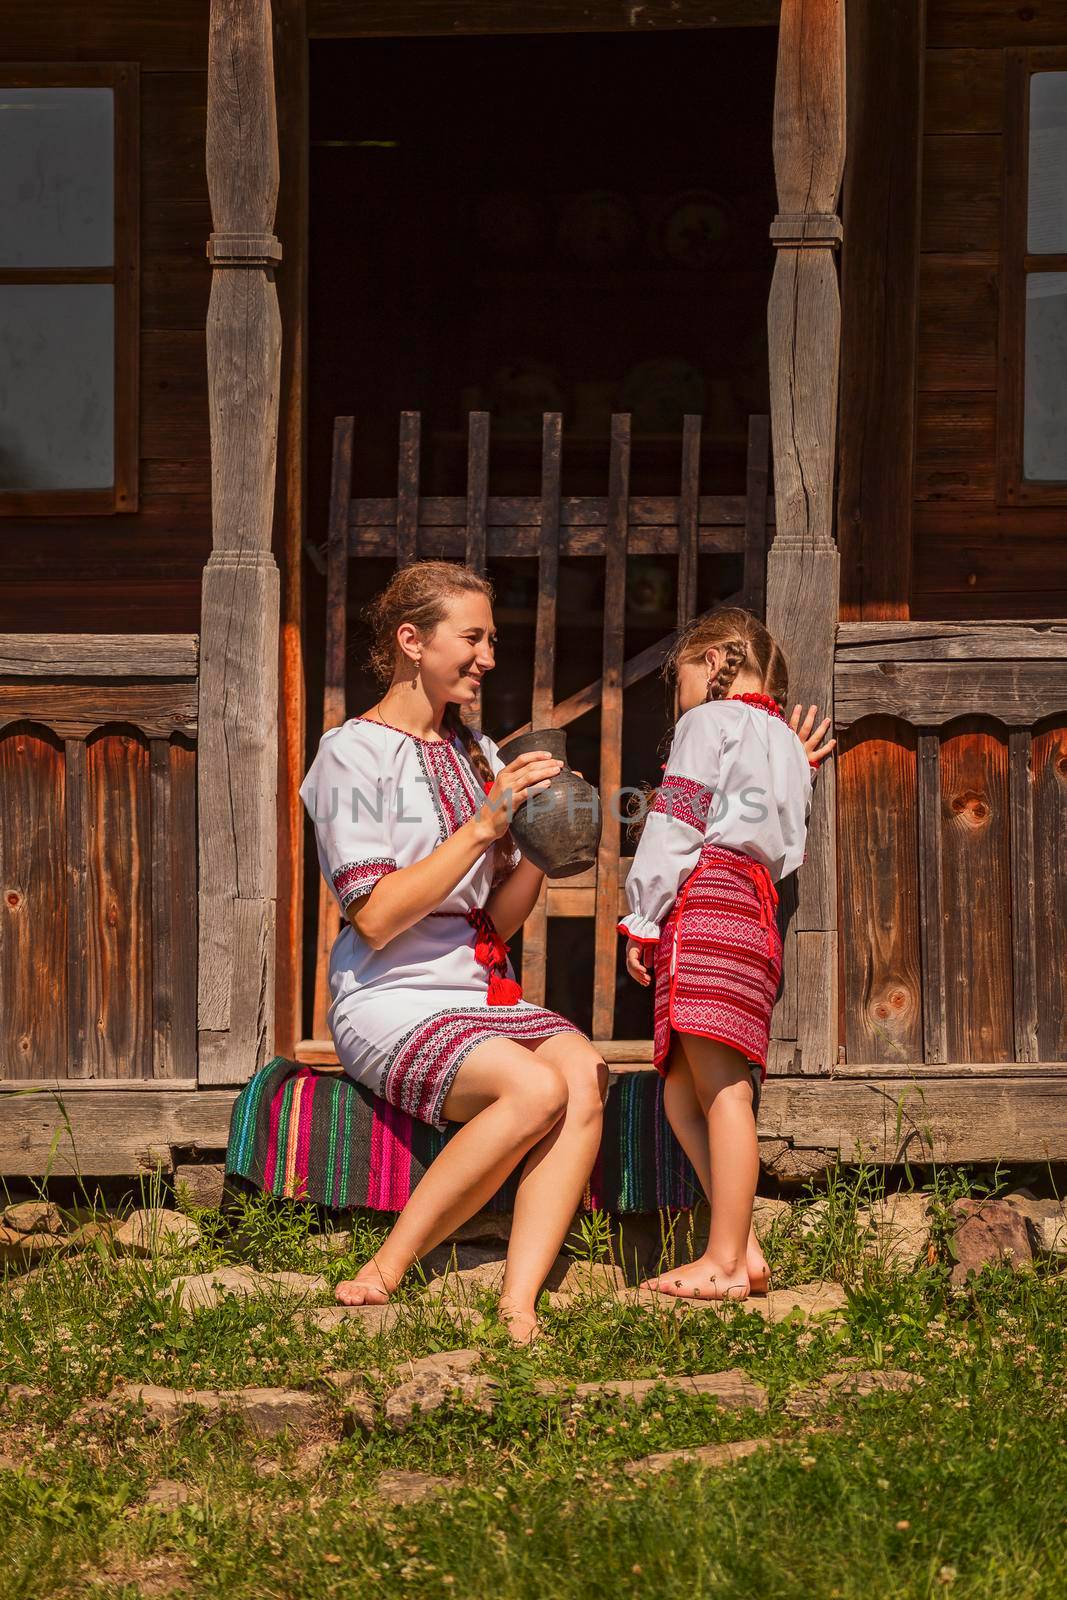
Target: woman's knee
[(539, 1094)]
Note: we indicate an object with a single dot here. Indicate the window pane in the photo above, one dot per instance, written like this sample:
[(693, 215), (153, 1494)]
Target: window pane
[(57, 386), (1047, 185), (57, 177), (1045, 400)]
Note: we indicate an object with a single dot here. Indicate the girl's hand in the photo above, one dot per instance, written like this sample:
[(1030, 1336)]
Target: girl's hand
[(528, 774), (810, 736), (635, 962)]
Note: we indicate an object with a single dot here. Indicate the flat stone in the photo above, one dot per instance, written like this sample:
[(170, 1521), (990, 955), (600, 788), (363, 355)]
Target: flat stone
[(485, 1226), (203, 1181), (407, 1488), (440, 1361), (20, 1394), (204, 1290), (1046, 1222), (591, 1279), (167, 1493), (466, 1282), (23, 1249), (435, 1388), (155, 1232), (765, 1213), (987, 1232), (703, 1455), (330, 1244), (90, 1234), (265, 1413), (812, 1218), (896, 1229), (371, 1319), (855, 1385), (34, 1216), (732, 1389)]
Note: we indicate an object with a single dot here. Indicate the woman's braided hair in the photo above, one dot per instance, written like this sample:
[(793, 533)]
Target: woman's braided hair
[(746, 645), (419, 594)]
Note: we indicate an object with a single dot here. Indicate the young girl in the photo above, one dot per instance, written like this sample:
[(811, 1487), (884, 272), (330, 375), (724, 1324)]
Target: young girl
[(411, 811), (728, 821)]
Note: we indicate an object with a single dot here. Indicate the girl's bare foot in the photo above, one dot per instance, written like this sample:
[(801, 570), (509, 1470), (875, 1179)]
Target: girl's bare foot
[(522, 1324), (704, 1279), (759, 1273), (370, 1287)]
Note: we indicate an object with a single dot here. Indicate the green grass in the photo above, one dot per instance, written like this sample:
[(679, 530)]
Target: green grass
[(958, 1487)]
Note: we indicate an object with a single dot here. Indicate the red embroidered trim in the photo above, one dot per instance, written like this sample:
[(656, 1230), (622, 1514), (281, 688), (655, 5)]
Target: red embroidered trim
[(684, 799)]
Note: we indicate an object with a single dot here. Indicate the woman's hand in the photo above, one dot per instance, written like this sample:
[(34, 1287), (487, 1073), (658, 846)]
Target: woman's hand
[(528, 774), (635, 962), (810, 736)]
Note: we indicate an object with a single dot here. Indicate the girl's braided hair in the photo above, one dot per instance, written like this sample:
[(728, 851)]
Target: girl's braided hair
[(419, 594), (746, 645)]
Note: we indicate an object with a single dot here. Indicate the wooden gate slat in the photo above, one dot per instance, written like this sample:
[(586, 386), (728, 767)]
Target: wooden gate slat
[(477, 498), (976, 894), (183, 903), (688, 521), (407, 488), (77, 821), (878, 833), (1023, 940), (163, 950), (607, 888), (932, 950), (1049, 757), (334, 706), (757, 476), (535, 929)]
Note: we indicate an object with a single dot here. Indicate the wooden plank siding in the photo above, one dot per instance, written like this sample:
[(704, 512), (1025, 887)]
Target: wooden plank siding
[(98, 857), (974, 555), (952, 784)]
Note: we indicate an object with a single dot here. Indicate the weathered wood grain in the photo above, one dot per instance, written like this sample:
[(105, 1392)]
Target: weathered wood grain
[(237, 769), (976, 894), (98, 655), (879, 299), (35, 903), (73, 710), (803, 323), (1049, 791), (975, 1114), (606, 939), (877, 831), (929, 693)]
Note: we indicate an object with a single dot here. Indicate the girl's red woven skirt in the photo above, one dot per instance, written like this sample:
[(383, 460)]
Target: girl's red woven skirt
[(718, 963)]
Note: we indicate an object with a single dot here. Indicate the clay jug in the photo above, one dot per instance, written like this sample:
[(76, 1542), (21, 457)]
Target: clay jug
[(558, 829)]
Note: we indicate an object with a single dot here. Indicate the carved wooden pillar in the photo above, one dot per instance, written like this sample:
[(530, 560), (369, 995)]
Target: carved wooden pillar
[(804, 327), (239, 611)]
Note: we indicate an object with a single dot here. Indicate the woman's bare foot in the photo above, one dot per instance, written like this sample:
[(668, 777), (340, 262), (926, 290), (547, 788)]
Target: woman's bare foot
[(370, 1287), (521, 1323), (704, 1279)]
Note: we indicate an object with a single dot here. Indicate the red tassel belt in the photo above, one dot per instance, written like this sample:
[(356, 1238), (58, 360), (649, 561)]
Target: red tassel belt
[(766, 893), (491, 952)]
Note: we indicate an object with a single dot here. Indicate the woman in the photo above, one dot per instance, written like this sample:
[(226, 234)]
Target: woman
[(411, 812)]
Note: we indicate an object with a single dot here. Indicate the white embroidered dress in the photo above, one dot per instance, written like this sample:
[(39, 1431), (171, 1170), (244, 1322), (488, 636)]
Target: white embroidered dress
[(737, 777), (403, 1018)]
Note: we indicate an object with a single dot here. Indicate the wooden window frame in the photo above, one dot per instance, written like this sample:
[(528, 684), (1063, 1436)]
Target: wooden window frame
[(1012, 489), (123, 78)]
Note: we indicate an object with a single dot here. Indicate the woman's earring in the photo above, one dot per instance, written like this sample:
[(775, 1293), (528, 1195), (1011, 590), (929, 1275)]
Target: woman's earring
[(708, 694)]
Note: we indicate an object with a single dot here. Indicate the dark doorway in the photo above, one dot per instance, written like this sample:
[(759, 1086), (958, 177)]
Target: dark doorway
[(527, 224)]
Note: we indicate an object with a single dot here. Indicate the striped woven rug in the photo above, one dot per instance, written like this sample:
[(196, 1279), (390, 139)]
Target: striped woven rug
[(314, 1136)]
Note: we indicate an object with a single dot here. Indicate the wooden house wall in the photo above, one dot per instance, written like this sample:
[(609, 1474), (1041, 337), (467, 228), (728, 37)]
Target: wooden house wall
[(136, 572)]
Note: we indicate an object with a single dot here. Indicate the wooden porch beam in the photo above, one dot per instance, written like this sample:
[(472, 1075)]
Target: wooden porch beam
[(238, 751), (954, 1114), (364, 19), (804, 329)]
